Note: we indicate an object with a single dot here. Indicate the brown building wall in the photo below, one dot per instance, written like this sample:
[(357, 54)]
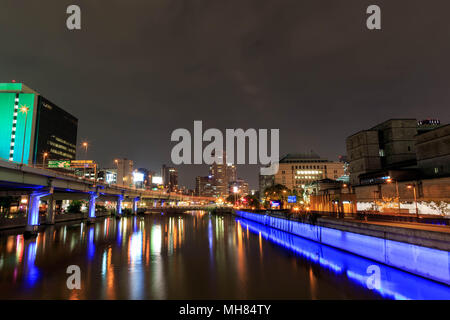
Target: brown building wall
[(427, 190), (363, 154), (433, 152)]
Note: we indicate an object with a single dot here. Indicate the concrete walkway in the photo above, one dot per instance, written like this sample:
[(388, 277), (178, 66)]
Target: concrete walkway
[(398, 224)]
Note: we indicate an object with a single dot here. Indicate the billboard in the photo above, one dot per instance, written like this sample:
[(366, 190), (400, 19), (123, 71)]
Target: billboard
[(59, 164), (292, 199), (138, 177), (16, 125), (157, 180), (275, 204)]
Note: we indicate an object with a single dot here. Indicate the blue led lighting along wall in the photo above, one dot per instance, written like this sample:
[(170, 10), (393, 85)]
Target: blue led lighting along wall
[(11, 132), (427, 262), (394, 283)]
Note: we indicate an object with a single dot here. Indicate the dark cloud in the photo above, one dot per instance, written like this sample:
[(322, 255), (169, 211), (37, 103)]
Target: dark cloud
[(140, 69)]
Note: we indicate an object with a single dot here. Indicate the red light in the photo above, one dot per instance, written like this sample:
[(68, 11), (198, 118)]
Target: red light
[(13, 81)]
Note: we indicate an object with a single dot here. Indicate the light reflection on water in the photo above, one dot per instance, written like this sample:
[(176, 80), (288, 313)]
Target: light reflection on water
[(194, 256)]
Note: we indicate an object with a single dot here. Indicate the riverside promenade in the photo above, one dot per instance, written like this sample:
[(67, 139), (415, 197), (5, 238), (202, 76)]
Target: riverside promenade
[(420, 249)]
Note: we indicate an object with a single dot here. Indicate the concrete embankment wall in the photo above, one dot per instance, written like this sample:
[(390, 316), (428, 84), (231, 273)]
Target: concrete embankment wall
[(22, 221), (424, 261)]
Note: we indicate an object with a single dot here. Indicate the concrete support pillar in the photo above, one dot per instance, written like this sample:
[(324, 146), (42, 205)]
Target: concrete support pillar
[(119, 205), (33, 212), (50, 218), (91, 209), (135, 202)]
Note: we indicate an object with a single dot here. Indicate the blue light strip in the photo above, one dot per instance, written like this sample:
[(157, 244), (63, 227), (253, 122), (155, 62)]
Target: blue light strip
[(426, 262), (394, 283)]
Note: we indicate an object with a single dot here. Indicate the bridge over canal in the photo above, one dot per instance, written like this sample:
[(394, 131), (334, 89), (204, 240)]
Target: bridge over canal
[(50, 185)]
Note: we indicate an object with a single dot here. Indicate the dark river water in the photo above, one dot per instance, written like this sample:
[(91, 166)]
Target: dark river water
[(194, 256)]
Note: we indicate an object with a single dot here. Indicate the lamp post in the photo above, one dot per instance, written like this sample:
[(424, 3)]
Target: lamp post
[(389, 180), (413, 186), (117, 171), (24, 109), (85, 146), (44, 155)]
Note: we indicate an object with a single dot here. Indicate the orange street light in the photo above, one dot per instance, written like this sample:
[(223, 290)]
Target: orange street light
[(85, 146), (44, 155)]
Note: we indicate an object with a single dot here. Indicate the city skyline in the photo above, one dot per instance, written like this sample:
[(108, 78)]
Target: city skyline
[(303, 71), (223, 159)]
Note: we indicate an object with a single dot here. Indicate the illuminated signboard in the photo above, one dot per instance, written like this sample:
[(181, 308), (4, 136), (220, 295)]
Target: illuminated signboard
[(59, 164), (81, 162), (274, 204), (157, 180), (110, 177), (138, 176), (292, 199), (16, 123)]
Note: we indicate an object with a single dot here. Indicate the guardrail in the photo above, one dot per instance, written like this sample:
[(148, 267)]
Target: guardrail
[(58, 173)]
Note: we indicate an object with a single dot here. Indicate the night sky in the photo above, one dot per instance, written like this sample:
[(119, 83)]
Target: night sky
[(139, 69)]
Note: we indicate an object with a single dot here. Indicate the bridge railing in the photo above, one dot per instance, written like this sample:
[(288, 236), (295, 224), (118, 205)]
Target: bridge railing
[(55, 172)]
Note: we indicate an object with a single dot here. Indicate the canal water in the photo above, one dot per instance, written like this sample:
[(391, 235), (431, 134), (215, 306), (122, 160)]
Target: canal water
[(192, 256)]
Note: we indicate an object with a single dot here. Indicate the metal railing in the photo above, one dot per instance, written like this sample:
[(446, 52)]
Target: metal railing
[(95, 182)]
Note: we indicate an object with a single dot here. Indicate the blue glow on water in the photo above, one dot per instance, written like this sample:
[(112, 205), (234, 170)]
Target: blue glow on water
[(119, 233), (210, 235), (427, 262), (135, 226), (32, 272), (91, 245), (395, 284)]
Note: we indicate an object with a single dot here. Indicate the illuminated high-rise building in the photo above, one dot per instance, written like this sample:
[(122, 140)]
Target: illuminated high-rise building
[(124, 172), (170, 177), (32, 128), (218, 172)]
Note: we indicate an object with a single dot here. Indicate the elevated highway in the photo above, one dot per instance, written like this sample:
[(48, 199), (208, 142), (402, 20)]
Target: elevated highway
[(50, 185)]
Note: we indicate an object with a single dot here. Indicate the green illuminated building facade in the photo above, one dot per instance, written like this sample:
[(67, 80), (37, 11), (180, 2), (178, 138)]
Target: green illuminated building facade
[(31, 125)]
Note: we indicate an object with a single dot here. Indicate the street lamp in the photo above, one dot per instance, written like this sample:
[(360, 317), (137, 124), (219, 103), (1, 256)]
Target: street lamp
[(85, 146), (413, 186), (44, 155), (24, 109), (116, 161), (389, 180)]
